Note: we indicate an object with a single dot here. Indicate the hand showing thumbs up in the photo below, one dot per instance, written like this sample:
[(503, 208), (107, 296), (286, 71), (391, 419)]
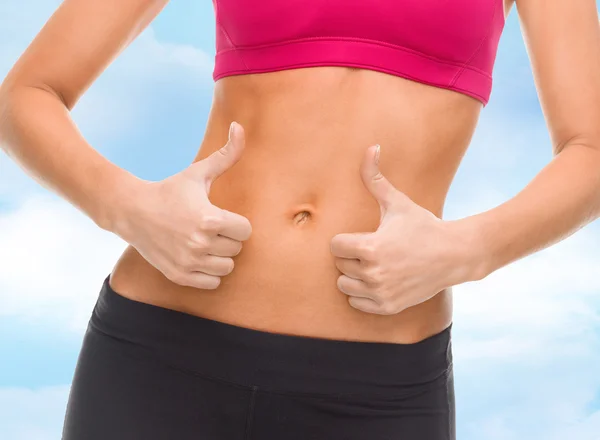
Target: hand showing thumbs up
[(412, 256), (176, 229)]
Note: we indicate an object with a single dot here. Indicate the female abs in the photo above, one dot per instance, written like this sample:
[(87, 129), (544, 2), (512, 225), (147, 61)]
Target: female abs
[(298, 183), (243, 307)]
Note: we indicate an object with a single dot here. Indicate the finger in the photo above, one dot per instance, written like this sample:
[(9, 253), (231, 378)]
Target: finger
[(350, 267), (212, 265), (234, 226), (350, 245), (365, 305), (354, 287), (374, 180), (224, 158), (224, 246), (199, 280)]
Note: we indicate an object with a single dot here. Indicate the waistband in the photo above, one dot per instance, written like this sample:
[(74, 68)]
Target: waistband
[(272, 361)]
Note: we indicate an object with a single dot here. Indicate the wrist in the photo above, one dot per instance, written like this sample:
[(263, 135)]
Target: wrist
[(121, 196), (473, 255)]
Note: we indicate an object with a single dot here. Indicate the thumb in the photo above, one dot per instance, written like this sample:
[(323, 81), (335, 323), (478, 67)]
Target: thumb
[(225, 157), (376, 183)]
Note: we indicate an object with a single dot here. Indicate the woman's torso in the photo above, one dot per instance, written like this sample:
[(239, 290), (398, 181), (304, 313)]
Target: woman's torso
[(306, 132)]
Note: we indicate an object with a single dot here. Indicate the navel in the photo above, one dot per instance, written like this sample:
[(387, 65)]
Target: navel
[(302, 217)]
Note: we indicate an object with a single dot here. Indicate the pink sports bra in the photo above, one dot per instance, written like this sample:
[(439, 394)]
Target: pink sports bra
[(444, 43)]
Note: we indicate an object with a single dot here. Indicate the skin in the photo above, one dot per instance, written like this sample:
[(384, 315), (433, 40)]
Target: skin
[(289, 225)]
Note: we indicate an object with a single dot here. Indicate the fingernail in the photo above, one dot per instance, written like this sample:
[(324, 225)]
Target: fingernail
[(377, 152), (231, 128)]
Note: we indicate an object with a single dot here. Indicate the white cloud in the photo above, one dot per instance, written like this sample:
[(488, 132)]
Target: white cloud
[(53, 261), (32, 414), (527, 349), (535, 305)]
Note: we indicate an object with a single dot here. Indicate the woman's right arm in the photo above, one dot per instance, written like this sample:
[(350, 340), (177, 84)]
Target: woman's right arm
[(190, 243), (77, 43)]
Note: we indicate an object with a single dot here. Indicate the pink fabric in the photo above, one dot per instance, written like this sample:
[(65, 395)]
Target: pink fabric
[(444, 43)]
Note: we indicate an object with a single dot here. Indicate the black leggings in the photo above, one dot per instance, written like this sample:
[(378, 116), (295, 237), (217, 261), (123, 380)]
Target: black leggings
[(150, 373)]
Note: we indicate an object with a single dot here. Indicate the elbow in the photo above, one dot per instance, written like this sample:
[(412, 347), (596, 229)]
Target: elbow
[(589, 141), (16, 98), (6, 100), (9, 105)]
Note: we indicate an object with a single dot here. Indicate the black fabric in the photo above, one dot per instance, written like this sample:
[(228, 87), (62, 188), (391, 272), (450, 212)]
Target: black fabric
[(151, 373)]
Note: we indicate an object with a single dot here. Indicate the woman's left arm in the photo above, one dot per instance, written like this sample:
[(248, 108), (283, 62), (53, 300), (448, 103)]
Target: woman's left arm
[(563, 43), (413, 255)]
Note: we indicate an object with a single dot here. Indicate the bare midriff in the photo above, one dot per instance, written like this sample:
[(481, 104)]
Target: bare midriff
[(298, 183)]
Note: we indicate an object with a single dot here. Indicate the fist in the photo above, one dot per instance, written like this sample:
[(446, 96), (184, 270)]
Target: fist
[(412, 255), (176, 228)]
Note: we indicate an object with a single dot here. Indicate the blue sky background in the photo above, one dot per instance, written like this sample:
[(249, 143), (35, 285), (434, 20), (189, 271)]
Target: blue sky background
[(526, 339)]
